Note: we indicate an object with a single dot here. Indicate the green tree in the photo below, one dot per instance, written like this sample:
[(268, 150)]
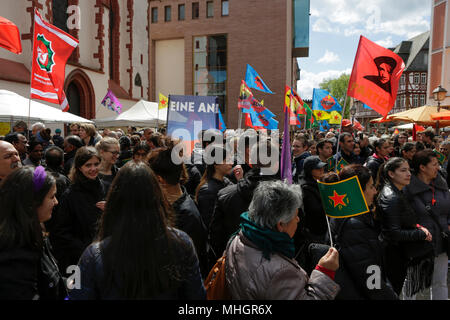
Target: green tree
[(337, 87)]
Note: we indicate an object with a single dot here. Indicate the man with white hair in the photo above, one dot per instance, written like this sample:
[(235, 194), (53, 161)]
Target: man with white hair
[(9, 159), (35, 128)]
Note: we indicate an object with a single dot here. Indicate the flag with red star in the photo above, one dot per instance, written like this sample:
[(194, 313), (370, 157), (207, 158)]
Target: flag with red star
[(163, 101), (254, 81), (343, 199)]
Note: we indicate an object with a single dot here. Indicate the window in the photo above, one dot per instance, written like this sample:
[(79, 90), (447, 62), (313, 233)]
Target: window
[(195, 10), (167, 13), (209, 9), (415, 100), (225, 8), (402, 102), (210, 67), (154, 15), (422, 100), (181, 12), (424, 78), (59, 9), (416, 78), (402, 80)]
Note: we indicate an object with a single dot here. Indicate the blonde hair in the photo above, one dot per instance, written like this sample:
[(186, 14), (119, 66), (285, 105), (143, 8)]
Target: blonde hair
[(105, 143)]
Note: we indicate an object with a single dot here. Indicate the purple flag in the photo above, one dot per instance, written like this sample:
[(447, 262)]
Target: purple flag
[(286, 163), (111, 102)]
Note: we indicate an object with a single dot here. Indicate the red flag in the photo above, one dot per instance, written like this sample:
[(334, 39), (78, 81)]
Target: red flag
[(52, 48), (375, 76), (10, 36)]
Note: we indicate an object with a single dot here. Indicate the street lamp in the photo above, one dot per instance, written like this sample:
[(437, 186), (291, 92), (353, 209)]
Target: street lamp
[(439, 95)]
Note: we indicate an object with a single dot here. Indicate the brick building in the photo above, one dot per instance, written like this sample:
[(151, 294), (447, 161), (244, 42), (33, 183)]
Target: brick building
[(439, 73), (203, 47), (412, 88), (138, 48)]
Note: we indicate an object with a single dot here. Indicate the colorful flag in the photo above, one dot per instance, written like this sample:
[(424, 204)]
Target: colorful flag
[(10, 36), (325, 124), (111, 102), (222, 126), (322, 100), (245, 97), (260, 116), (335, 118), (375, 76), (357, 125), (343, 199), (341, 164), (321, 115), (289, 105), (163, 101), (253, 80), (297, 104), (52, 48), (311, 121), (286, 161), (440, 156)]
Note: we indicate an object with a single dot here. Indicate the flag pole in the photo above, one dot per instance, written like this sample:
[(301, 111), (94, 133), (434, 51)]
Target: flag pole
[(340, 131)]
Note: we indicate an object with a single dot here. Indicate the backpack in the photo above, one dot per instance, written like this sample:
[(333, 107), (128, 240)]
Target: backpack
[(215, 283)]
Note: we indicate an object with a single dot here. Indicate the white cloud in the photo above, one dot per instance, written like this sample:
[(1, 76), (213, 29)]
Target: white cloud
[(323, 25), (371, 17), (309, 80), (387, 43), (329, 57)]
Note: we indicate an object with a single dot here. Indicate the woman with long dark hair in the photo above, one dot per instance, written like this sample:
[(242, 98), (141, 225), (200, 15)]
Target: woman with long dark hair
[(27, 268), (137, 255), (80, 209), (213, 180), (407, 253), (360, 248)]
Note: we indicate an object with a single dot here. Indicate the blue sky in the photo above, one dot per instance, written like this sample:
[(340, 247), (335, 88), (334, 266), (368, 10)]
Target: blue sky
[(335, 28)]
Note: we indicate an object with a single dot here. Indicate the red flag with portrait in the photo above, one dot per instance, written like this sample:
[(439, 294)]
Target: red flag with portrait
[(375, 76)]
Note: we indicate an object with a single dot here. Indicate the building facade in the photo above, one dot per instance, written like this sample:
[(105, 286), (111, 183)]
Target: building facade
[(139, 48), (412, 90), (439, 50), (108, 55), (203, 47)]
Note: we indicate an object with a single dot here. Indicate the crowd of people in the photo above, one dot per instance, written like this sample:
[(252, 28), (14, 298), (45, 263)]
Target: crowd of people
[(140, 225)]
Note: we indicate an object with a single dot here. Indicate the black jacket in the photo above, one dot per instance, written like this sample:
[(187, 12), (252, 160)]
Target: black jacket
[(188, 219), (75, 224), (297, 166), (108, 179), (62, 184), (207, 195), (194, 179), (349, 158), (93, 285), (398, 218), (312, 217), (232, 201), (420, 195), (373, 164), (360, 248), (68, 161)]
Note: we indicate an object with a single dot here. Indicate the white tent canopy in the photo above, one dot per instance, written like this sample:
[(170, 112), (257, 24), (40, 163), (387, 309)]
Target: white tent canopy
[(142, 114), (14, 107), (408, 126)]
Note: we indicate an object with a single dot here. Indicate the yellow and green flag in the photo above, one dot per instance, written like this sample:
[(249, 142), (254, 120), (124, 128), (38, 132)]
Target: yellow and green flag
[(321, 115), (343, 199), (335, 118), (163, 101)]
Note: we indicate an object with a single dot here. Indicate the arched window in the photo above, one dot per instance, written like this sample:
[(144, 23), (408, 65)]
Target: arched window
[(138, 80)]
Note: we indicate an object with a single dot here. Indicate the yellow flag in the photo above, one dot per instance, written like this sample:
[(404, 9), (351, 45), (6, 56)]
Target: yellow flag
[(163, 101), (336, 118), (321, 115)]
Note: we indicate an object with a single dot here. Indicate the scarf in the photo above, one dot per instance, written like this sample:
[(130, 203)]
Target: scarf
[(268, 241)]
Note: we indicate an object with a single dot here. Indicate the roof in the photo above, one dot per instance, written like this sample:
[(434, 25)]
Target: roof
[(409, 50)]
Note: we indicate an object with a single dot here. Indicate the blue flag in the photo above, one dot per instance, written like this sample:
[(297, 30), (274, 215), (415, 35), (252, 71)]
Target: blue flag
[(221, 124), (366, 106), (324, 101), (325, 124), (253, 80)]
